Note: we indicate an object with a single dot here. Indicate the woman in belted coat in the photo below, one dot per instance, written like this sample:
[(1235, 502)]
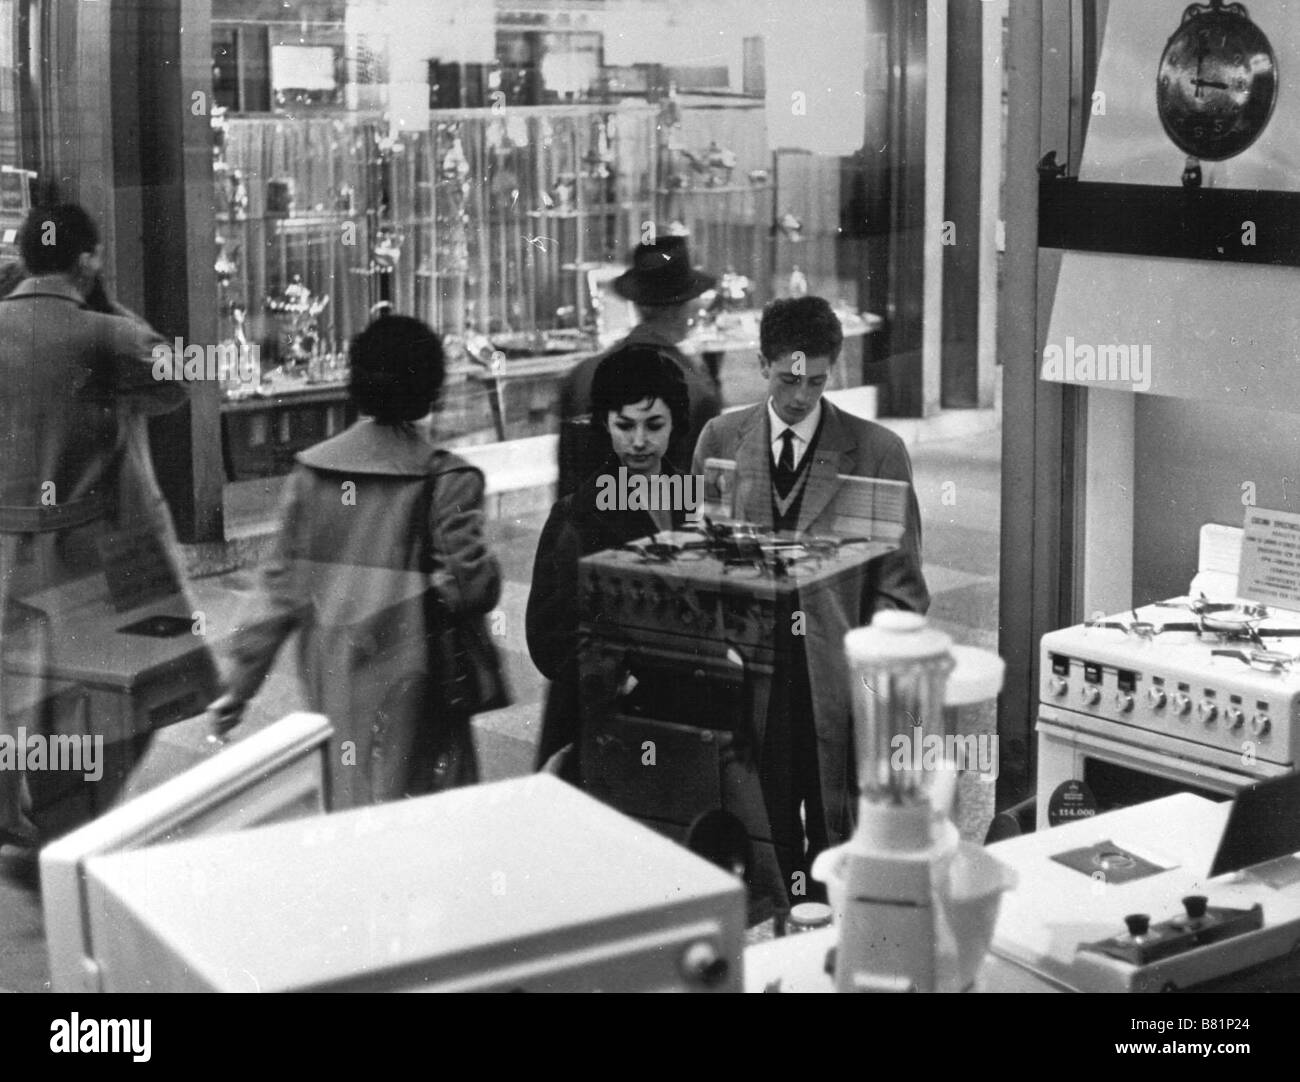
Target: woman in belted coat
[(371, 519), (638, 397), (76, 483)]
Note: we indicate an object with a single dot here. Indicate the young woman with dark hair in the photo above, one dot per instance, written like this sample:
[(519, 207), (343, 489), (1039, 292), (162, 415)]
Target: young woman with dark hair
[(638, 399)]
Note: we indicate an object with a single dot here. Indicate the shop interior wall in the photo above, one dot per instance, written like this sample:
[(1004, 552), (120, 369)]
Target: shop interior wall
[(1192, 459)]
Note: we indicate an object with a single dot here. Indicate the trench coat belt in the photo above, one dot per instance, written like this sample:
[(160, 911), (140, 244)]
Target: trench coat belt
[(47, 519)]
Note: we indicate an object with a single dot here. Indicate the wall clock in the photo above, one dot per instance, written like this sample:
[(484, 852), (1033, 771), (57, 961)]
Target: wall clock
[(1217, 83)]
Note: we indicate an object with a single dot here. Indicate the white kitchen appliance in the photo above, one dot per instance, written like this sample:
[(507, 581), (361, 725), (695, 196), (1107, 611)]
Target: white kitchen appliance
[(1197, 694), (520, 885), (914, 907), (1125, 902), (278, 773)]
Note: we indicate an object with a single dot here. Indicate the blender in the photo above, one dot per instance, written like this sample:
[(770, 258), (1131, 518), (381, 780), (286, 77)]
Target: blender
[(914, 905)]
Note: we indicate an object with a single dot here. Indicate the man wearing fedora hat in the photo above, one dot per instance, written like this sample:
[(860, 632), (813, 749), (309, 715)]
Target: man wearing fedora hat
[(663, 285)]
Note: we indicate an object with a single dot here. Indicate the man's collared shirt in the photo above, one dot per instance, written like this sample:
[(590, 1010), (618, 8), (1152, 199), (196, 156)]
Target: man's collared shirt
[(803, 432)]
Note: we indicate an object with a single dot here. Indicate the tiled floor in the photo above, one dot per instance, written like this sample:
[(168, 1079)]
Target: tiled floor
[(958, 485)]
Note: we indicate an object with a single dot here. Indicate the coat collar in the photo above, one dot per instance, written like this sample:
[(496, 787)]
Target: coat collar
[(47, 285), (647, 334), (367, 447), (831, 457)]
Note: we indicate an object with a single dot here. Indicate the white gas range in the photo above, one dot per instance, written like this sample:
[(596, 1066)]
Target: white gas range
[(1182, 695)]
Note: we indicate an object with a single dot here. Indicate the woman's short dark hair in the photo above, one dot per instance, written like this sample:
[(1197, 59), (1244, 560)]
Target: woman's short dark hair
[(397, 369), (633, 374), (53, 238)]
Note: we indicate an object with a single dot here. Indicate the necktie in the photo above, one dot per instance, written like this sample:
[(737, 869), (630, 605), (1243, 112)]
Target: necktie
[(786, 462)]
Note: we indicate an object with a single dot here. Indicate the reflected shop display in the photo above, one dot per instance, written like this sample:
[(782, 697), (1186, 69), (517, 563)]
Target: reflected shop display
[(617, 496)]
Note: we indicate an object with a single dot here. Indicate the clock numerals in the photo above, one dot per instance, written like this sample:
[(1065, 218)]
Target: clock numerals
[(1216, 84)]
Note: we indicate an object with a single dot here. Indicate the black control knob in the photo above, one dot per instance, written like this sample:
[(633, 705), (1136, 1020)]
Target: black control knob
[(1138, 924), (702, 964), (1195, 904)]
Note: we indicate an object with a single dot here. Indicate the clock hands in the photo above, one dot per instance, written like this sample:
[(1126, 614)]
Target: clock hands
[(1198, 83)]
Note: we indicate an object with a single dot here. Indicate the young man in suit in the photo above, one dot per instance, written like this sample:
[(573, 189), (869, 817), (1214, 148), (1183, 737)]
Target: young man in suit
[(790, 451)]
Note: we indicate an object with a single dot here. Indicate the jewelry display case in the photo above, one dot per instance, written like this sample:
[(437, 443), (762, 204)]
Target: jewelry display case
[(485, 224)]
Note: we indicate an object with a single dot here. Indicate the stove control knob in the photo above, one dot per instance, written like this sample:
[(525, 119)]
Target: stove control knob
[(1196, 904), (1157, 698), (703, 964), (1260, 724), (1234, 717), (1123, 702), (1138, 924), (1208, 710), (1090, 694), (1181, 704), (1058, 686)]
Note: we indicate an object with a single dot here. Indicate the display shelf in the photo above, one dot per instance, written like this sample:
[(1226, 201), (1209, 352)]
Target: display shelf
[(308, 395), (716, 189), (590, 210)]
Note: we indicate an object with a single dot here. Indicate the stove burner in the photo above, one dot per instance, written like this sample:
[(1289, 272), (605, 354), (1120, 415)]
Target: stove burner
[(1230, 611), (1264, 660), (1216, 623)]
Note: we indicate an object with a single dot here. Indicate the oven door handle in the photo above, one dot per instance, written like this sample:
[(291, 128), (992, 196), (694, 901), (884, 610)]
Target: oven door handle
[(1169, 766)]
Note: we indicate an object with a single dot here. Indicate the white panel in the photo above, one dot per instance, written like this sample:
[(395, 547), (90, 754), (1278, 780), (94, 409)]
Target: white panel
[(1108, 504), (1226, 333)]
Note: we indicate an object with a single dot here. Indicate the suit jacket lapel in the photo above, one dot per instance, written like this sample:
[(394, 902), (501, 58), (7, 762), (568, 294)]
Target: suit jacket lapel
[(835, 442), (754, 470)]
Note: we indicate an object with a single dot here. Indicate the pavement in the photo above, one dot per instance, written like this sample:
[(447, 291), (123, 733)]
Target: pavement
[(956, 462)]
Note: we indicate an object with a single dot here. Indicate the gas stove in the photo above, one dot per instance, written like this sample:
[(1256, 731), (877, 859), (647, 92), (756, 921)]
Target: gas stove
[(1224, 677)]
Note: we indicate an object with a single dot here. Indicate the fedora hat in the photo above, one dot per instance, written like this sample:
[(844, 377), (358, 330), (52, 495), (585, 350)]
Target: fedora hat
[(661, 274)]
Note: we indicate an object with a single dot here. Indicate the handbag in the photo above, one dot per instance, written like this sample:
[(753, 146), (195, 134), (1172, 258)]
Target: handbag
[(465, 662)]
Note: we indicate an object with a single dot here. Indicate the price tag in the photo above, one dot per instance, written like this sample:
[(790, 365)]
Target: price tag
[(1270, 558), (1070, 800)]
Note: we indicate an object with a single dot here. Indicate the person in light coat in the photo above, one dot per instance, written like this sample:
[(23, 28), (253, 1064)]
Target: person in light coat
[(372, 520)]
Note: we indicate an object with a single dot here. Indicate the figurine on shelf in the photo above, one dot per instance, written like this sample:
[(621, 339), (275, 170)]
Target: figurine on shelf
[(302, 338), (563, 192), (455, 166), (226, 266), (599, 157), (798, 283), (237, 195), (715, 165), (241, 378), (733, 293), (218, 120), (387, 249), (790, 227), (721, 162)]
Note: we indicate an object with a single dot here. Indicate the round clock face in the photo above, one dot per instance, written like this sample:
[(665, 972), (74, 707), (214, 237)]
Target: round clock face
[(1217, 82)]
